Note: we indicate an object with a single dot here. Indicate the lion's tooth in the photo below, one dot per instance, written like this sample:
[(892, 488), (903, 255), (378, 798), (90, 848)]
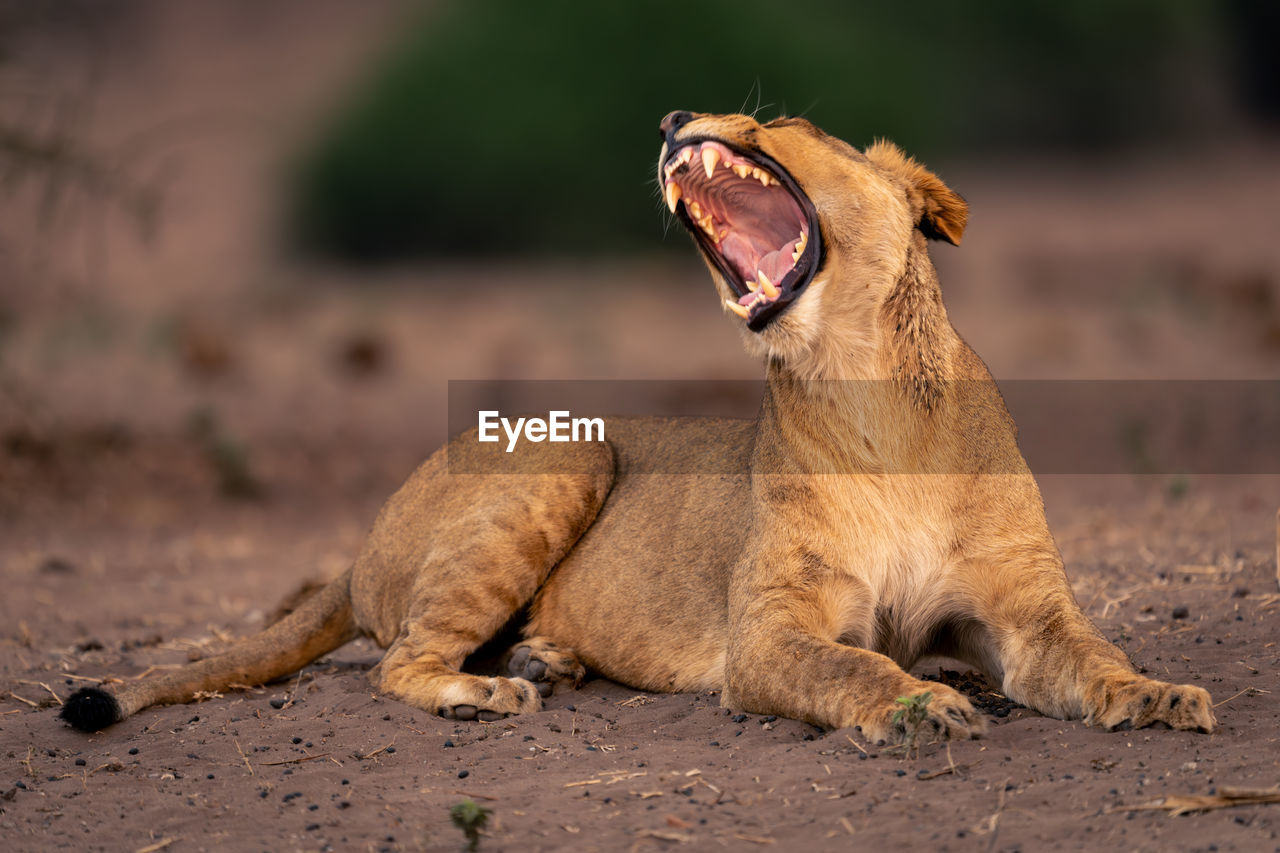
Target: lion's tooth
[(705, 224), (710, 157), (741, 170), (673, 195), (752, 286), (740, 310), (767, 287), (695, 209), (686, 155)]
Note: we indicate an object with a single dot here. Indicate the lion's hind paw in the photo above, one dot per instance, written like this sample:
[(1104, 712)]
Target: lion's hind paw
[(545, 664)]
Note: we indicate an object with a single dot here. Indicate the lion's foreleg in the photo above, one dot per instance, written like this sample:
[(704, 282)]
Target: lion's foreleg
[(784, 659), (1054, 659)]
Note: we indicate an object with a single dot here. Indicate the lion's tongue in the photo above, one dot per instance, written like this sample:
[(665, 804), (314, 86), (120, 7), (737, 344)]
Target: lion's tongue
[(742, 253), (776, 264)]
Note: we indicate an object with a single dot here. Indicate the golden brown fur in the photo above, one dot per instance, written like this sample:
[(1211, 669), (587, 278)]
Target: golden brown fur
[(878, 510)]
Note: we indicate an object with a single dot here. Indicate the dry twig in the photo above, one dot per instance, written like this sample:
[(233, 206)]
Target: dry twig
[(1180, 804), (244, 758), (297, 760)]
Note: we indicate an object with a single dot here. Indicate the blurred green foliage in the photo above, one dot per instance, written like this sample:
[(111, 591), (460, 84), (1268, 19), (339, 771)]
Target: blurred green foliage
[(503, 126)]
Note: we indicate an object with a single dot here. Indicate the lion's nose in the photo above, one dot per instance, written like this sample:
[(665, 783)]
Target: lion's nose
[(674, 121)]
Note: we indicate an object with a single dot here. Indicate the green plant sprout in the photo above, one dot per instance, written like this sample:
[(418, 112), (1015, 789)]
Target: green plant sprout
[(470, 818)]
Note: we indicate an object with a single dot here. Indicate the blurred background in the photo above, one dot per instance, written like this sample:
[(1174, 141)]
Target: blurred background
[(244, 245)]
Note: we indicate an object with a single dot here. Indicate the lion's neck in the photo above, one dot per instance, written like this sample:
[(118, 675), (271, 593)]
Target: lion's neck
[(884, 403)]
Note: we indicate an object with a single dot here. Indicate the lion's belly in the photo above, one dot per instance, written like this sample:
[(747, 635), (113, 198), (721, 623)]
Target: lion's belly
[(642, 598)]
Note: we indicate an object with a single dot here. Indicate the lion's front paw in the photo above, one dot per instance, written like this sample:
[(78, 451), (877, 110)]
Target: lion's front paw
[(488, 699), (1132, 702), (932, 712)]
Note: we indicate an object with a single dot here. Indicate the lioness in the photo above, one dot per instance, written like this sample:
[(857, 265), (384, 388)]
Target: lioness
[(873, 512)]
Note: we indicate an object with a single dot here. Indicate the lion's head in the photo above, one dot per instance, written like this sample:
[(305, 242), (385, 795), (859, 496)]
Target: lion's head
[(805, 235)]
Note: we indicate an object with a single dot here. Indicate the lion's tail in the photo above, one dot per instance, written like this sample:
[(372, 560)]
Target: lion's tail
[(321, 624)]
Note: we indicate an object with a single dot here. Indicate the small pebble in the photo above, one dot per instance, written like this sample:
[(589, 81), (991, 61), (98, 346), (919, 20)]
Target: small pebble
[(739, 718), (210, 776), (448, 744), (346, 781), (276, 703), (389, 749), (133, 751), (80, 762), (313, 807), (1181, 613), (312, 827), (308, 745), (344, 804), (462, 774), (297, 740)]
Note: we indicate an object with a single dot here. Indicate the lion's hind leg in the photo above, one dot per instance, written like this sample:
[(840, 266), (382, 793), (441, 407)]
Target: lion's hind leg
[(454, 558), (542, 662), (419, 671)]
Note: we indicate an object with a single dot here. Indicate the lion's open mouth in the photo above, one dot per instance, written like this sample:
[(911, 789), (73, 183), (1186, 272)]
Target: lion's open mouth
[(751, 220)]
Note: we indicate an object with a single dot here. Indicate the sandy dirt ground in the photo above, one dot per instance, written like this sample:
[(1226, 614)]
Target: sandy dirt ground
[(205, 425)]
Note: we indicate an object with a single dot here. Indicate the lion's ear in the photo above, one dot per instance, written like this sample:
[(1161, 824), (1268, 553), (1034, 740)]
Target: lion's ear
[(943, 212)]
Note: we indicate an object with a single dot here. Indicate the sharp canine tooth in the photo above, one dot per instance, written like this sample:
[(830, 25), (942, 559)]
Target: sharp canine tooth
[(752, 286), (673, 195), (767, 287), (740, 310), (710, 157)]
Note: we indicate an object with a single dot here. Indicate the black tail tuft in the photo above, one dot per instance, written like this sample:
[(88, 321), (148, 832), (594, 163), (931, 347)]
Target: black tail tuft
[(90, 709)]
